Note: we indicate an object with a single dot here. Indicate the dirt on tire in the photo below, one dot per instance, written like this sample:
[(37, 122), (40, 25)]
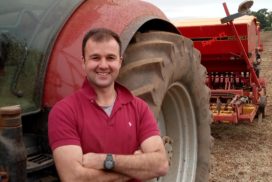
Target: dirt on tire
[(243, 152)]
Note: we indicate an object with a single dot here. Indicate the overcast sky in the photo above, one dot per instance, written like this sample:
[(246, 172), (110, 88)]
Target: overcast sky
[(204, 8)]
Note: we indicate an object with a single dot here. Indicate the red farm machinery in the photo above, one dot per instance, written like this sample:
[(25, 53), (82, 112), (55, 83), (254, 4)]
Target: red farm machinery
[(230, 52)]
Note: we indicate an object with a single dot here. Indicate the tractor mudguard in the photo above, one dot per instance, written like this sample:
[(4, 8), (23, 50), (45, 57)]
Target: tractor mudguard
[(64, 73)]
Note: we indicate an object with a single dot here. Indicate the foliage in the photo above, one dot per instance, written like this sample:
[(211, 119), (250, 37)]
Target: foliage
[(264, 17)]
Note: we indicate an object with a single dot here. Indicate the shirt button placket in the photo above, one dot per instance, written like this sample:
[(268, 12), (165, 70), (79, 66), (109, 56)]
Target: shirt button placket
[(110, 121)]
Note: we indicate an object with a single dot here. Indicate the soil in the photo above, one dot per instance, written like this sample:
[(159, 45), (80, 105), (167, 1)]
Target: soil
[(243, 152)]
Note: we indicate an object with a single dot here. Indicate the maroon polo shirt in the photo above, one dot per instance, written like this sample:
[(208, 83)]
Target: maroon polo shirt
[(78, 120)]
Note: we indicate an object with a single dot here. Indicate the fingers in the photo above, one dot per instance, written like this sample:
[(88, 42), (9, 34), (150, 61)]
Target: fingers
[(138, 152)]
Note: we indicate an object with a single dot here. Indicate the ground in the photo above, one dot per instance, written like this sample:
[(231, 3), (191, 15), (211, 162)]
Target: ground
[(243, 152)]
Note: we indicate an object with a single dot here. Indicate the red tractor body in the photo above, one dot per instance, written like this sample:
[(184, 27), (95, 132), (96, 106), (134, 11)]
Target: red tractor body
[(237, 93)]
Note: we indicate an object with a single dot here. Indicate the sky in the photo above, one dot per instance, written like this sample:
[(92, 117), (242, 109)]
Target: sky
[(204, 8)]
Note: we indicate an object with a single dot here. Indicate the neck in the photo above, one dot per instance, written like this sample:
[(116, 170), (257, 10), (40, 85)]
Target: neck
[(106, 96)]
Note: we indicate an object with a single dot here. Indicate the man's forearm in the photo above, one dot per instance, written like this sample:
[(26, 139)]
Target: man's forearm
[(142, 166), (70, 167)]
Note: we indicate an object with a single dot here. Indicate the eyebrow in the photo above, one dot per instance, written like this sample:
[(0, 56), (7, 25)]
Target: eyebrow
[(93, 55), (107, 55)]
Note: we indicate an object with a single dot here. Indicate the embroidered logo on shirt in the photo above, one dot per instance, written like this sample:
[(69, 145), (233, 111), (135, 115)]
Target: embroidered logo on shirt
[(130, 124)]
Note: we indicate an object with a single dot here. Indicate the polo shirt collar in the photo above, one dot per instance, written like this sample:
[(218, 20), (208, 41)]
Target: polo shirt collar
[(123, 94)]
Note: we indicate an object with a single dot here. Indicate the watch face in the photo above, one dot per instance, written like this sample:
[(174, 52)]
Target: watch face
[(108, 164)]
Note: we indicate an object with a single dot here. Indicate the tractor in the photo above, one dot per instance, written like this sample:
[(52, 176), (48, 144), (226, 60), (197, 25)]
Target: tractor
[(230, 50), (40, 63)]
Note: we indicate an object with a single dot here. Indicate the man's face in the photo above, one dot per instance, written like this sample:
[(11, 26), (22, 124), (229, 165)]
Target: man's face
[(102, 62)]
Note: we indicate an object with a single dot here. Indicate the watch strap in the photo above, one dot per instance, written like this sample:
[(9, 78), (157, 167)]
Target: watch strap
[(109, 157)]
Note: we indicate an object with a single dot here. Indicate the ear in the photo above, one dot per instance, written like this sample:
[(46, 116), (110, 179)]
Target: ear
[(83, 63), (121, 59)]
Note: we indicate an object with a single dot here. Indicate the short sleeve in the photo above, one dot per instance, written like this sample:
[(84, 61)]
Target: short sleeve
[(62, 126), (148, 125)]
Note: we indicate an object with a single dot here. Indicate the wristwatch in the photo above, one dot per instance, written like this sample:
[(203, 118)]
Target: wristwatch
[(109, 163)]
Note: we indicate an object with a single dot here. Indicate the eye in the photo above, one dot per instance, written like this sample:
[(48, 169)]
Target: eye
[(94, 58), (111, 58)]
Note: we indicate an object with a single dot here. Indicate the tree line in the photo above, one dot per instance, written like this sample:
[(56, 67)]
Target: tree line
[(264, 17)]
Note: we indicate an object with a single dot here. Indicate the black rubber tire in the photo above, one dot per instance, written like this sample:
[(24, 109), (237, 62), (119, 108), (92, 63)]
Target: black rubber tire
[(261, 110), (262, 106), (164, 69)]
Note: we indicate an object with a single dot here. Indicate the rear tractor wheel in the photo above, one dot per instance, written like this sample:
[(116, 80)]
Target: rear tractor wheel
[(164, 69)]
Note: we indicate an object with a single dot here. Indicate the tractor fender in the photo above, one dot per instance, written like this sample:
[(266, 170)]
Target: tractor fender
[(145, 24), (64, 72)]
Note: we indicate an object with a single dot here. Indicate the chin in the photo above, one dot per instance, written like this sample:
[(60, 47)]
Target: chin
[(103, 85)]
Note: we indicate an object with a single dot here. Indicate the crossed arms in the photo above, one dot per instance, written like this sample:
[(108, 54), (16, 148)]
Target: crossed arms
[(150, 162)]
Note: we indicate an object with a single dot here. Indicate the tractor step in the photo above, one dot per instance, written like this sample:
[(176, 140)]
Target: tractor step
[(38, 161)]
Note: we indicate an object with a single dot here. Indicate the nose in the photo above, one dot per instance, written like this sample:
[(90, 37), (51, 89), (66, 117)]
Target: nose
[(103, 63)]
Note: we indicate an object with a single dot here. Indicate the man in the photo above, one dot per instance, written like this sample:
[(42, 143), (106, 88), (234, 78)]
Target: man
[(102, 132)]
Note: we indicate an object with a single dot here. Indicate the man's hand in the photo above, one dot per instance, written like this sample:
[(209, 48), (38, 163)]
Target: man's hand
[(137, 152)]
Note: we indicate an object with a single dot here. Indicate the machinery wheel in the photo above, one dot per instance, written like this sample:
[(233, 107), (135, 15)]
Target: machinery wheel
[(260, 117), (261, 110), (164, 69)]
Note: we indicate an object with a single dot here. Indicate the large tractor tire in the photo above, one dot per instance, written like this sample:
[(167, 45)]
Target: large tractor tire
[(164, 69)]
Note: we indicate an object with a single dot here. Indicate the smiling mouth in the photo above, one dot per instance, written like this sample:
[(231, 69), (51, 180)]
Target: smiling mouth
[(103, 74)]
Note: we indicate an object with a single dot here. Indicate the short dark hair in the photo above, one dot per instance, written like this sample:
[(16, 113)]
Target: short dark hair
[(99, 35)]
